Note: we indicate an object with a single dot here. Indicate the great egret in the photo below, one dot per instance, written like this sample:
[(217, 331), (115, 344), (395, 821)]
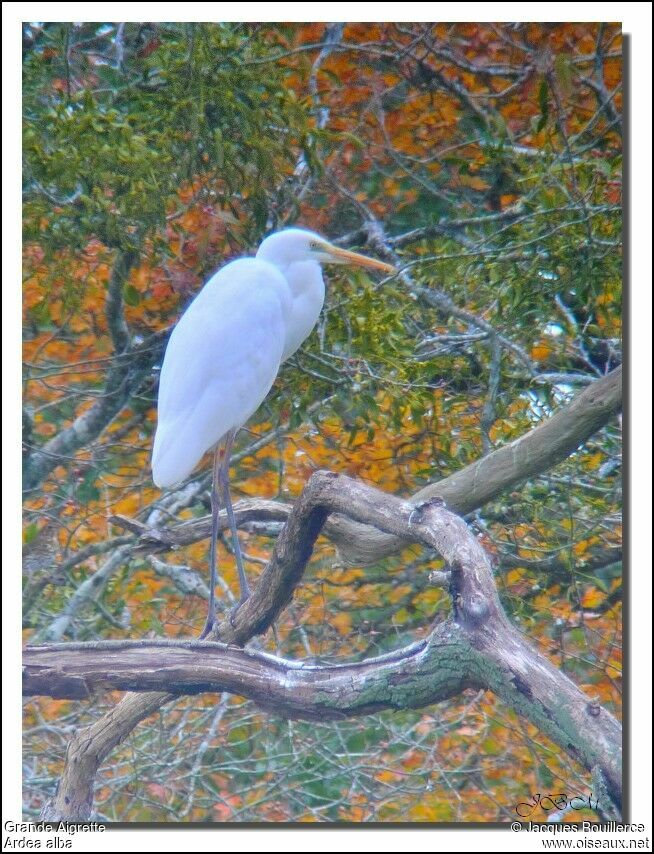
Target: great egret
[(224, 354)]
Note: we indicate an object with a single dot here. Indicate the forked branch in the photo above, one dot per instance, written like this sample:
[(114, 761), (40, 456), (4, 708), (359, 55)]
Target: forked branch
[(477, 647)]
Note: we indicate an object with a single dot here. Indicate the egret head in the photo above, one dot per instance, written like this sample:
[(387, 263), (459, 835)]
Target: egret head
[(294, 245)]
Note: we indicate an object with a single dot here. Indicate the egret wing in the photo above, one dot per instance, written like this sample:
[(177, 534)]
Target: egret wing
[(221, 360)]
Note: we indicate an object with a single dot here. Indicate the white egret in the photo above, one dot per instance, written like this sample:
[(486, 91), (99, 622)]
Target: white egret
[(224, 354)]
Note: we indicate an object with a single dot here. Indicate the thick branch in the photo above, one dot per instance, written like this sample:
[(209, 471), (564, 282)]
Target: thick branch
[(436, 666), (88, 749), (503, 469), (441, 667), (469, 489), (429, 524), (477, 648), (114, 308)]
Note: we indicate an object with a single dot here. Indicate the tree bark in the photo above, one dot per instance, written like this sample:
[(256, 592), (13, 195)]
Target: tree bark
[(501, 470), (88, 748), (476, 648), (448, 662), (469, 489)]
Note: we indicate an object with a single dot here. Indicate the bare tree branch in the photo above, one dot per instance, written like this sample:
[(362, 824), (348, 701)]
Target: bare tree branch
[(476, 648), (86, 592), (118, 330), (502, 469), (123, 379), (465, 491)]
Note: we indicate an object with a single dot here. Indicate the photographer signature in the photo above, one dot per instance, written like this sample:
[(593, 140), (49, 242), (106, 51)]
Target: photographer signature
[(559, 801)]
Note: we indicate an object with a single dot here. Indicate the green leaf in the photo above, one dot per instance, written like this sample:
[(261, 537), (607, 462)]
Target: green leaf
[(30, 533), (87, 490), (131, 295), (563, 72), (545, 776)]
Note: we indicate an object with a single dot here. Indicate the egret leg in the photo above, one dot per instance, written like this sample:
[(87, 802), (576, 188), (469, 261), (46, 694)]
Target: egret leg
[(213, 548), (223, 477)]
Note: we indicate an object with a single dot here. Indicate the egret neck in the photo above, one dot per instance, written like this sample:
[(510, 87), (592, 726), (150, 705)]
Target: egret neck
[(308, 291)]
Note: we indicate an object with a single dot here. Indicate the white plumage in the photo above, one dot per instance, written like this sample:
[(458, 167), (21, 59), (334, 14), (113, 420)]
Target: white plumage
[(223, 357), (221, 360)]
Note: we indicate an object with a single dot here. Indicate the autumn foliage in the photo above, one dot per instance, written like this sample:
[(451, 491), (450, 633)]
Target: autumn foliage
[(488, 157)]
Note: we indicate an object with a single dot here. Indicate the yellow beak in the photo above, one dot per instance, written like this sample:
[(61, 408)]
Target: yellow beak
[(344, 256)]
